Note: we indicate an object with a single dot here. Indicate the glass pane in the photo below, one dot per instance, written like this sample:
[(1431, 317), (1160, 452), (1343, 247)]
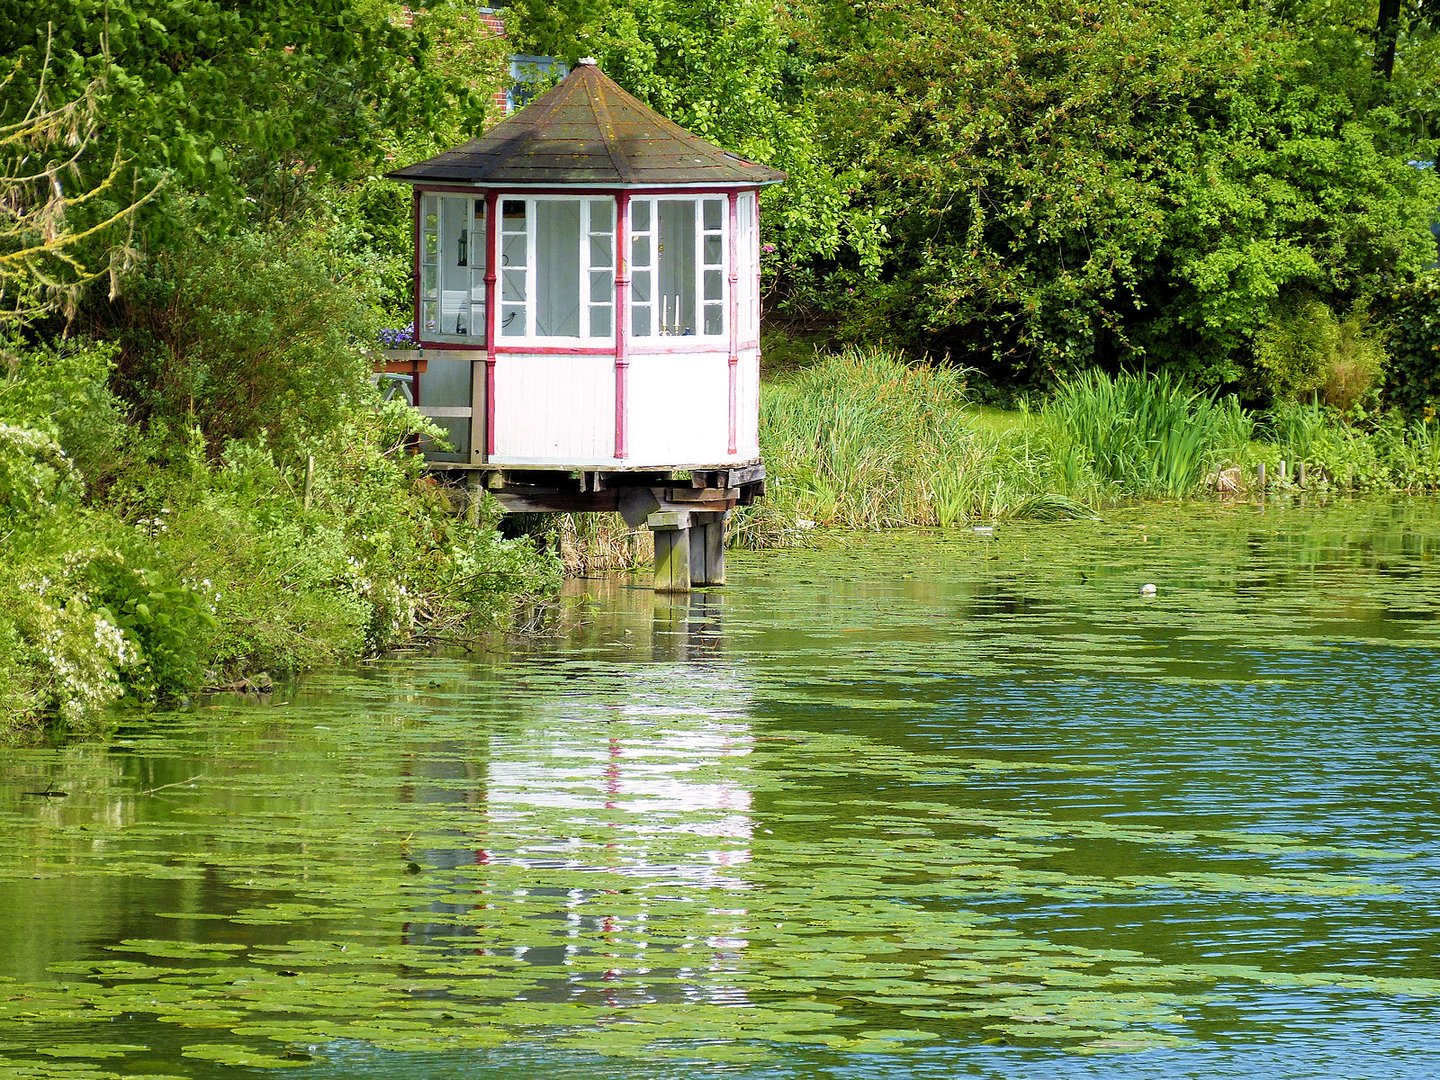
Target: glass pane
[(640, 322), (676, 270), (602, 215), (428, 317), (640, 287), (512, 285), (477, 319), (477, 286), (714, 320), (714, 251), (640, 215), (712, 285), (712, 213), (602, 286), (512, 321), (512, 250), (455, 232), (602, 251), (429, 281), (600, 322), (557, 268), (432, 246), (512, 215), (640, 251)]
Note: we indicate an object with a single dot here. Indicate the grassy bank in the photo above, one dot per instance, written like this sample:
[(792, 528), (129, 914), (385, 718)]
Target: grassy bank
[(868, 439)]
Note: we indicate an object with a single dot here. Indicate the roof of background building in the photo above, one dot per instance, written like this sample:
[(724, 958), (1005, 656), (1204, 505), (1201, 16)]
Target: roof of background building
[(588, 131)]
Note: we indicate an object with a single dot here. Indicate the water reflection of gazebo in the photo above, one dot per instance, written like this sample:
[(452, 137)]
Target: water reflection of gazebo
[(590, 815)]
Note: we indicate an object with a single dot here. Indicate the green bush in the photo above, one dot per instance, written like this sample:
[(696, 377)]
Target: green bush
[(62, 388), (243, 336), (1412, 381), (1293, 349)]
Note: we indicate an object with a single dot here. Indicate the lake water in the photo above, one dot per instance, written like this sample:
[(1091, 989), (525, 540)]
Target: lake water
[(924, 804)]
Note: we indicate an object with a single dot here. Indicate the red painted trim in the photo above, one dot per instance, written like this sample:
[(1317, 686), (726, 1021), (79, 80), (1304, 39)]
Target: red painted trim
[(622, 315), (492, 230), (427, 343), (580, 192), (415, 263), (733, 311), (555, 350), (697, 347)]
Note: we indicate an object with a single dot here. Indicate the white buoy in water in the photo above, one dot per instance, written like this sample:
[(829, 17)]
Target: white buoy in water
[(1148, 589)]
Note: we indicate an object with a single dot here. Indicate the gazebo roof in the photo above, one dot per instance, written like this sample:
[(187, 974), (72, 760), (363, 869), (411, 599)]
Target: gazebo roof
[(587, 131)]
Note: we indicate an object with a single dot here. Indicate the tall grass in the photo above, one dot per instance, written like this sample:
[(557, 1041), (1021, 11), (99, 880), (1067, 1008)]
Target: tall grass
[(1147, 436), (868, 439)]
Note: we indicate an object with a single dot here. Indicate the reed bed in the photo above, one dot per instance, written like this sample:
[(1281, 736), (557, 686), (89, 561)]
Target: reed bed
[(868, 439), (1147, 436)]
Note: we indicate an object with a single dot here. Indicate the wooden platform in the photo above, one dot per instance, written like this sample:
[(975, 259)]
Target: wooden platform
[(685, 509)]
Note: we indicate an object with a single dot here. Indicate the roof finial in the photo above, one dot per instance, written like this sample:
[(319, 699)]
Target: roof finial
[(586, 61)]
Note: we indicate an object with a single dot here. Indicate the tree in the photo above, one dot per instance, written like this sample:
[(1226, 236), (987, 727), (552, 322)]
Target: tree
[(236, 106), (1111, 181), (45, 256)]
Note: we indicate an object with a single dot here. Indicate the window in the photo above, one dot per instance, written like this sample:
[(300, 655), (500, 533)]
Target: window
[(677, 266), (531, 76), (557, 268), (452, 268), (747, 253)]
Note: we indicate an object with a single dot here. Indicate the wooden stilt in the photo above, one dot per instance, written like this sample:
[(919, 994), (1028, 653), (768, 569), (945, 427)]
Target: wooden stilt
[(1300, 473), (1260, 476), (707, 548), (474, 494), (672, 550)]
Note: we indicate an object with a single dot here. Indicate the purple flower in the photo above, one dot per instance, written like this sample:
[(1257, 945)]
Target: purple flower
[(769, 249), (400, 337)]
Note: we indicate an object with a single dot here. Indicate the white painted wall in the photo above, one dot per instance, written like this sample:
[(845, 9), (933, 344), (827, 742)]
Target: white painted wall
[(554, 410), (560, 410)]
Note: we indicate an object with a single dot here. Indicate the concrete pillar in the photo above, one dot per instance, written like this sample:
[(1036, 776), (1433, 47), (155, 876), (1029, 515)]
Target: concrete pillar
[(671, 529), (707, 548)]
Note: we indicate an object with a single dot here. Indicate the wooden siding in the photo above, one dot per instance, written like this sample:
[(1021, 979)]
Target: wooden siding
[(554, 409)]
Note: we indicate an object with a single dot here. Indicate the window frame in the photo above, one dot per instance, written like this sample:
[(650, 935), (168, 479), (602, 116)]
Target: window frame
[(430, 300), (584, 270), (701, 233)]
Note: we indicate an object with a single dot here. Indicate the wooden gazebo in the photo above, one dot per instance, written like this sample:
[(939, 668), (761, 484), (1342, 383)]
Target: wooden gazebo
[(587, 315)]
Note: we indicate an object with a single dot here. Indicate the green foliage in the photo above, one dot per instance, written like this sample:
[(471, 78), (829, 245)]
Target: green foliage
[(729, 72), (1294, 347), (1413, 379), (1081, 183), (62, 388), (241, 336), (167, 620), (231, 101), (37, 478), (1147, 436)]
